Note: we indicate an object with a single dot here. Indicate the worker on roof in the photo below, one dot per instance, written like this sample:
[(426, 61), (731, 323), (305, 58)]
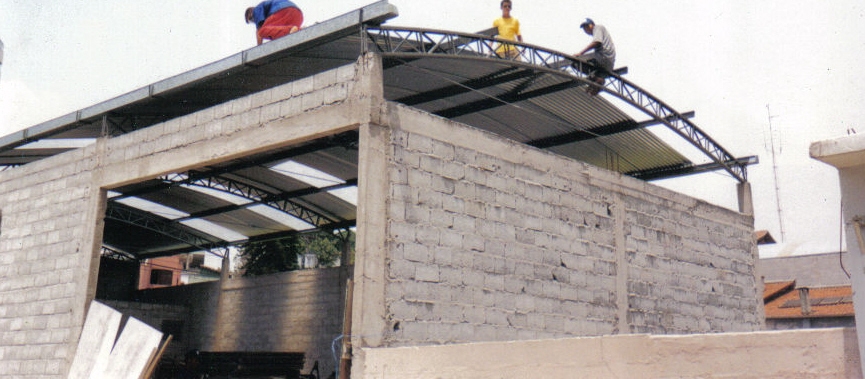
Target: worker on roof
[(603, 56), (274, 19), (508, 27)]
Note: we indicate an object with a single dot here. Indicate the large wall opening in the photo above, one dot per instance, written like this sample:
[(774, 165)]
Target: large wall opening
[(285, 220)]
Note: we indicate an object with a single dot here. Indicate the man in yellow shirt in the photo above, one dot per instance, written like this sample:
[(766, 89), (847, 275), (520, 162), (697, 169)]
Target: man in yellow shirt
[(508, 28)]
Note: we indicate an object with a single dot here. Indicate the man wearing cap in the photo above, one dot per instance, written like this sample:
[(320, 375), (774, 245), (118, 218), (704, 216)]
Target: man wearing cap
[(603, 56)]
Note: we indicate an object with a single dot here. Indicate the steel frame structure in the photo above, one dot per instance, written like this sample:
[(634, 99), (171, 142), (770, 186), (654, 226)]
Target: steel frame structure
[(219, 180), (408, 43)]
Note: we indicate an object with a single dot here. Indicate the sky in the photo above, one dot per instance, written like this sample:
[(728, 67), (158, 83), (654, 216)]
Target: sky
[(764, 78)]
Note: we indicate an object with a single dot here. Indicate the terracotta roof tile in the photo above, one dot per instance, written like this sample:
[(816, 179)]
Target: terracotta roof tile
[(836, 301), (772, 290)]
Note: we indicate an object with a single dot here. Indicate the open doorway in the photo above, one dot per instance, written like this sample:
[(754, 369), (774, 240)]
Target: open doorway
[(247, 255)]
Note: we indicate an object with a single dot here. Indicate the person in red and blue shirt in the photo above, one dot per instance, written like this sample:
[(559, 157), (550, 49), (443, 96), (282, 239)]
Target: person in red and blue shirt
[(274, 19)]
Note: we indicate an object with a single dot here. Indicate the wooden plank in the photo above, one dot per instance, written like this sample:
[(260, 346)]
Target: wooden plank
[(97, 339), (151, 366)]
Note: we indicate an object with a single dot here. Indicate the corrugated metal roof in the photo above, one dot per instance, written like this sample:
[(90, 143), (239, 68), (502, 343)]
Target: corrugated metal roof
[(521, 101)]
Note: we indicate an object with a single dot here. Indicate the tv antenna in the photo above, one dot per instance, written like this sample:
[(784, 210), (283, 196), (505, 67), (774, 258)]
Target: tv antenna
[(775, 173)]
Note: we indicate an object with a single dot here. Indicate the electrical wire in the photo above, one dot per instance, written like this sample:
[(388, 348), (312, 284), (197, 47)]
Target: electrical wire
[(841, 240)]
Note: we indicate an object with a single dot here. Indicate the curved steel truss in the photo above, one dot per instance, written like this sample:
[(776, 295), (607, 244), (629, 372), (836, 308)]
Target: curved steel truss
[(407, 43)]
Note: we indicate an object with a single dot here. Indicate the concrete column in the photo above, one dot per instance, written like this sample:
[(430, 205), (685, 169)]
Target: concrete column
[(847, 154), (368, 310), (622, 306), (746, 201)]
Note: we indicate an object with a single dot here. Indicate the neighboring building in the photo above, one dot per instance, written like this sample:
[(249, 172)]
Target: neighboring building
[(847, 154), (811, 270), (764, 237), (791, 307), (826, 279), (160, 272)]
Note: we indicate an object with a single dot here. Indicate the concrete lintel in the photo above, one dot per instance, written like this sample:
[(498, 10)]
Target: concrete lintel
[(303, 127)]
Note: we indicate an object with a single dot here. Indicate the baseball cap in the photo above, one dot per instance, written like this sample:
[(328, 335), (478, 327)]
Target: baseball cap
[(587, 22)]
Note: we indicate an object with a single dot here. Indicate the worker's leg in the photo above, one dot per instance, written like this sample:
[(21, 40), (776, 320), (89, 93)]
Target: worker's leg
[(282, 23)]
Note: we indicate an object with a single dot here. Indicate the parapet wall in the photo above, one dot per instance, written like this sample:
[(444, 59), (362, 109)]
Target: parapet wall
[(804, 354), (492, 240)]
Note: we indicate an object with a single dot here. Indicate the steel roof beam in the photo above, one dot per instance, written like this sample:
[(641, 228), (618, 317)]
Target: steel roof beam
[(503, 99), (279, 235), (605, 130), (163, 226), (257, 196), (404, 42), (499, 77), (118, 254), (672, 172)]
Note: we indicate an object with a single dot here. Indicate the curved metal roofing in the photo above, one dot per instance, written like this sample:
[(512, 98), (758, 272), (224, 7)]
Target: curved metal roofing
[(538, 99)]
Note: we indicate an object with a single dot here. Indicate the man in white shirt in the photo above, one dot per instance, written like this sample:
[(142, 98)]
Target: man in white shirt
[(603, 54)]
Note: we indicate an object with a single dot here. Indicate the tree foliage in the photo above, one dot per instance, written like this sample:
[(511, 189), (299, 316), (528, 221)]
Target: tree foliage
[(268, 257)]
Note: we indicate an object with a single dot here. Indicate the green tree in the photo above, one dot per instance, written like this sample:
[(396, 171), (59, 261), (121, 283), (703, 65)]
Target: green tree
[(268, 257)]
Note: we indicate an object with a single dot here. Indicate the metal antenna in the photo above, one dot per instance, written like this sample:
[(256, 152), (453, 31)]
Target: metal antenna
[(775, 174)]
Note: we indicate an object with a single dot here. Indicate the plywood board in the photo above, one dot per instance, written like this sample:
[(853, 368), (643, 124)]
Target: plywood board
[(136, 346), (96, 341)]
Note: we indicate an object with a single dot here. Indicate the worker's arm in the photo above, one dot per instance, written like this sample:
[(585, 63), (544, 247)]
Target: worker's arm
[(592, 46)]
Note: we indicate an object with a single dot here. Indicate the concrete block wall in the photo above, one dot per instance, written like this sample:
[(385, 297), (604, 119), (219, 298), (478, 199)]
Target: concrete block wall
[(491, 240), (691, 266), (300, 311), (47, 242), (297, 311), (51, 210)]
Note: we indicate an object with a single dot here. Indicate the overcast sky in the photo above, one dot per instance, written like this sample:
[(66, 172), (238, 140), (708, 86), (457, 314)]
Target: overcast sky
[(758, 74)]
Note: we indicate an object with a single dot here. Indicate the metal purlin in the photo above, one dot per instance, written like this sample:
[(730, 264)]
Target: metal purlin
[(408, 42)]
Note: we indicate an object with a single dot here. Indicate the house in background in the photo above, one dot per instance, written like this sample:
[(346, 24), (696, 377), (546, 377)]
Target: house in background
[(790, 307), (822, 280), (160, 272), (178, 270)]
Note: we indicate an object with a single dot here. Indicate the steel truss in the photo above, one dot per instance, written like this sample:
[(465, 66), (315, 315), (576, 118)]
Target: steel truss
[(407, 43), (146, 220), (282, 201)]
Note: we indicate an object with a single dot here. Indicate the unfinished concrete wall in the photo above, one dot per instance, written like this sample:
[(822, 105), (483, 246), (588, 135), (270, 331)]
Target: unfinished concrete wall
[(297, 311), (51, 210), (50, 228), (804, 354), (491, 240)]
